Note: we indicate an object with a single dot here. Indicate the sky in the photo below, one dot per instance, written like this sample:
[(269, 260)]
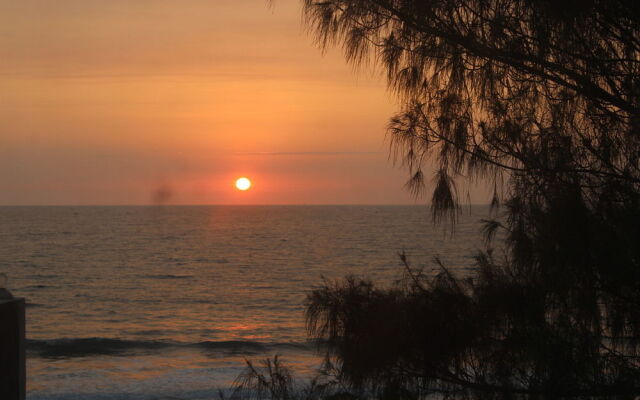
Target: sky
[(169, 101)]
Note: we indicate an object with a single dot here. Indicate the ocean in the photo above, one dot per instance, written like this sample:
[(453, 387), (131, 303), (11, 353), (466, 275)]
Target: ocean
[(167, 302)]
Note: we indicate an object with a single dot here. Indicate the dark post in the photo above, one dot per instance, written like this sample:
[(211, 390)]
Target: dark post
[(12, 347)]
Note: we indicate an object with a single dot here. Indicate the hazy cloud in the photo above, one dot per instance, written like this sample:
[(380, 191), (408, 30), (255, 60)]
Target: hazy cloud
[(307, 153)]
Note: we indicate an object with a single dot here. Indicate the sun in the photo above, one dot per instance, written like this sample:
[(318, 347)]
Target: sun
[(243, 183)]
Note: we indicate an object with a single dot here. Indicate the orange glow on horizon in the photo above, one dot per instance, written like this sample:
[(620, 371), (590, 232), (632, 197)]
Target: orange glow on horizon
[(219, 91)]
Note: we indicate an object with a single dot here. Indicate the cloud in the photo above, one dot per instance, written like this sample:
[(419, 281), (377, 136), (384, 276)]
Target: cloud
[(162, 194), (307, 153)]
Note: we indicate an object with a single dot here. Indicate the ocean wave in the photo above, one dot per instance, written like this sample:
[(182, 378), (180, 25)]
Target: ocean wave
[(168, 276), (36, 287), (80, 347), (212, 260), (84, 347)]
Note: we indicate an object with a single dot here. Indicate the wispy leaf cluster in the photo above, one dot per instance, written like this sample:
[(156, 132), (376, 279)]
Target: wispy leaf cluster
[(539, 100)]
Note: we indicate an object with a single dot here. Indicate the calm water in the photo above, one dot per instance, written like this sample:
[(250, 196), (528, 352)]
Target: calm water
[(166, 302)]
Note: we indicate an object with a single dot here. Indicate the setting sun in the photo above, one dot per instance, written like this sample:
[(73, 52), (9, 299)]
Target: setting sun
[(243, 183)]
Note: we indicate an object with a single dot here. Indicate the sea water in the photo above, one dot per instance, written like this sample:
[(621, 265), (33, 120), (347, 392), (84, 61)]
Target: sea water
[(142, 303)]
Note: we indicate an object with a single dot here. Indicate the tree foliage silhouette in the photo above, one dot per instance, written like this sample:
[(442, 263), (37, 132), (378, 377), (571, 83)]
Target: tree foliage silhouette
[(541, 101)]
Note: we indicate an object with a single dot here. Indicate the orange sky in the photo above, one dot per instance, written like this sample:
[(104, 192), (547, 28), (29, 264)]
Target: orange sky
[(114, 102)]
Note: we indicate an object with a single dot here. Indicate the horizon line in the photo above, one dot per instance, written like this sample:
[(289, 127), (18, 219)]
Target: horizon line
[(241, 205)]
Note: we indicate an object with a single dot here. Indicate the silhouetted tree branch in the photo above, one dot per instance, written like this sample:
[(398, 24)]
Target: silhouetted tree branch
[(540, 100)]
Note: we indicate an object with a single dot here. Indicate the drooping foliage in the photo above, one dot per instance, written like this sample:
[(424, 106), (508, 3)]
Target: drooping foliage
[(540, 100)]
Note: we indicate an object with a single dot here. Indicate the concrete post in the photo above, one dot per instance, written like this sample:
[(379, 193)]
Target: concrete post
[(12, 348)]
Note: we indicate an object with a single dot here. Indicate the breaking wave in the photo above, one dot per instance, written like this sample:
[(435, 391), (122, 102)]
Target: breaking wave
[(167, 276), (82, 347)]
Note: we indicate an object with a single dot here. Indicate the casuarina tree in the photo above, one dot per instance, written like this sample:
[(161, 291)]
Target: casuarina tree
[(540, 101)]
